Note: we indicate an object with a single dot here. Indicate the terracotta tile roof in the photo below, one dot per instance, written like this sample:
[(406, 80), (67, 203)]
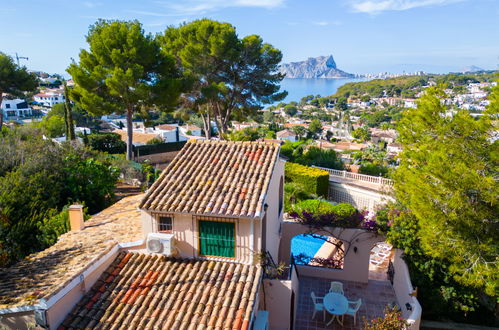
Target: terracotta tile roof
[(143, 291), (166, 127), (289, 125), (191, 127), (285, 133), (215, 177), (349, 146), (42, 274), (138, 137)]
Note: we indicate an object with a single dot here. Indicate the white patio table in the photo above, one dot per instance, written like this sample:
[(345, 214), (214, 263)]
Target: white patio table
[(336, 304)]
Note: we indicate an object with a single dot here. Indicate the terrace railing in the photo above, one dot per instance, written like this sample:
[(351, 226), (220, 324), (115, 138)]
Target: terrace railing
[(357, 176)]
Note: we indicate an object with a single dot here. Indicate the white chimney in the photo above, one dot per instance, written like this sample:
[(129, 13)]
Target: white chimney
[(76, 217)]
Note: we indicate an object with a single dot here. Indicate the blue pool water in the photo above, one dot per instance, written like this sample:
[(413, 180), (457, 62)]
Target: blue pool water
[(307, 245)]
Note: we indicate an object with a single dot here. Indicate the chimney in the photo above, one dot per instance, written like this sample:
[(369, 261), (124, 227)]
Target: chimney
[(76, 217)]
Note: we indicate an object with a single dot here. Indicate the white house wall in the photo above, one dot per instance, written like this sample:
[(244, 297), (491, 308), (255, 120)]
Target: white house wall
[(274, 218)]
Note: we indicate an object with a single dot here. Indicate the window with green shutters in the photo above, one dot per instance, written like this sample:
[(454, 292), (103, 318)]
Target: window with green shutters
[(217, 238)]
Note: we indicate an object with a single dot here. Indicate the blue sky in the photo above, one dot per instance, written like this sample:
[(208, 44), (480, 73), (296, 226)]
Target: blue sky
[(363, 35)]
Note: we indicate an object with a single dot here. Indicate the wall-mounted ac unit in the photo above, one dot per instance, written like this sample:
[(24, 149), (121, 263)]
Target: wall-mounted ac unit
[(161, 243)]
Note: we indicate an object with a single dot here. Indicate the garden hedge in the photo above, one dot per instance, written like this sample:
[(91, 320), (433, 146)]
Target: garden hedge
[(314, 181)]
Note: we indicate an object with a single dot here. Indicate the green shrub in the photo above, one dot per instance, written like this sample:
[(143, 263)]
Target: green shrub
[(107, 142), (316, 206), (392, 320), (372, 169), (156, 140), (293, 193), (319, 207), (320, 157), (89, 181), (344, 210), (314, 181), (53, 226), (287, 150)]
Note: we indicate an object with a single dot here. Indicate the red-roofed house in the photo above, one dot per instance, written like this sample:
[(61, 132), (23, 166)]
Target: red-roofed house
[(48, 99)]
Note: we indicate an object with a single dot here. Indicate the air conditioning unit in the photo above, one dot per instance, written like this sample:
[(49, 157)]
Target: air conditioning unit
[(161, 243)]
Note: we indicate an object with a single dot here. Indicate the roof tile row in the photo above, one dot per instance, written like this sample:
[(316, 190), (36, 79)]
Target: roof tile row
[(215, 177), (156, 292)]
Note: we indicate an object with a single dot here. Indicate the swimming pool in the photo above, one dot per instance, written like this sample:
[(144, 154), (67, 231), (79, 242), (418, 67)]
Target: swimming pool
[(307, 245)]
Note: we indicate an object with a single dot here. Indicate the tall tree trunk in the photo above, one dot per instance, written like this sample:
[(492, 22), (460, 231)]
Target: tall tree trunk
[(68, 115), (207, 125), (1, 112), (71, 124), (66, 122), (129, 127)]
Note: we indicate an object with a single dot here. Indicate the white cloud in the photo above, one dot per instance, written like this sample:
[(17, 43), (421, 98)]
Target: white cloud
[(378, 6), (325, 23), (200, 7), (91, 4), (150, 13)]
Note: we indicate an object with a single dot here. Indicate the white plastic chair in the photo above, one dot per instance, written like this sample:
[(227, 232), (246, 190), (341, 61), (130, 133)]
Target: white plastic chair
[(353, 308), (336, 287), (318, 306)]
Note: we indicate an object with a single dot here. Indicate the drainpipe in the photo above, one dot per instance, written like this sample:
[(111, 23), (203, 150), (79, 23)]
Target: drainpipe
[(252, 240)]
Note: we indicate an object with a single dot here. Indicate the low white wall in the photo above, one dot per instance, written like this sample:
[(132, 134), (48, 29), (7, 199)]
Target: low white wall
[(403, 287), (63, 305), (277, 295), (358, 197)]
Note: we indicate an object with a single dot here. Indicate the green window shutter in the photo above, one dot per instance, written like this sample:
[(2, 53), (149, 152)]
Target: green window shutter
[(217, 238)]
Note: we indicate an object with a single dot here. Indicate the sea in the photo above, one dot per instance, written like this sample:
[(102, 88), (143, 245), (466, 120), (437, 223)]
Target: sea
[(300, 87)]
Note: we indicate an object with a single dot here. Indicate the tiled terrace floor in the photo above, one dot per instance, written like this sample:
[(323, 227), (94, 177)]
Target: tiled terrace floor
[(375, 296)]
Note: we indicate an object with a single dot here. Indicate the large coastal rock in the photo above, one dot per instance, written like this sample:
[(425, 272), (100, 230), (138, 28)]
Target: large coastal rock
[(314, 67)]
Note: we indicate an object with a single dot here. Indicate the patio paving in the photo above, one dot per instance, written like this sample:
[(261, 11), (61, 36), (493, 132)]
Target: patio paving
[(375, 296)]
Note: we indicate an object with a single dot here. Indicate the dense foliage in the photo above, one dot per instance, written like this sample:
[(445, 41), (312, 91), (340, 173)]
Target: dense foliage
[(317, 206), (313, 180), (106, 142), (89, 180), (250, 134), (344, 216), (293, 193), (314, 206), (37, 179), (392, 320), (373, 169), (298, 152)]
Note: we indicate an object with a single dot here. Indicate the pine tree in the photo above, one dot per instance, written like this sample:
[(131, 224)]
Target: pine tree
[(122, 71), (447, 178)]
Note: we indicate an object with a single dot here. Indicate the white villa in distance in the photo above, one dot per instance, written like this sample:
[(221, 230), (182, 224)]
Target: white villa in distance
[(15, 108), (49, 99)]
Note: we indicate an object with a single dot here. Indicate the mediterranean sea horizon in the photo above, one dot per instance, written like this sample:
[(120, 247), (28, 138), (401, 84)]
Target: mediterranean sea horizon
[(300, 87)]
